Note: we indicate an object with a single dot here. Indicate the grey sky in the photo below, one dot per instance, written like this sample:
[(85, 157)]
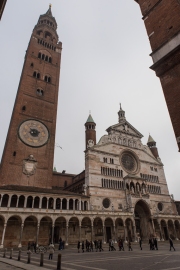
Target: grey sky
[(105, 60)]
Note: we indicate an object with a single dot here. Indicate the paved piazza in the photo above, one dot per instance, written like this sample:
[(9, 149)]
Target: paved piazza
[(163, 259)]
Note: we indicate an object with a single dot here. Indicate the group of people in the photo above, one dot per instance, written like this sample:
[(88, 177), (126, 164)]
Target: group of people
[(32, 247), (61, 244), (90, 245), (97, 244)]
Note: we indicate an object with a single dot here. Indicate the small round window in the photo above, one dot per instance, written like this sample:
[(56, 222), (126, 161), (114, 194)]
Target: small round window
[(106, 203), (160, 206)]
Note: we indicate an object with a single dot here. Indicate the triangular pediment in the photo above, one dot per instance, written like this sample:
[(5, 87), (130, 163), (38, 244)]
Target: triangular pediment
[(124, 128)]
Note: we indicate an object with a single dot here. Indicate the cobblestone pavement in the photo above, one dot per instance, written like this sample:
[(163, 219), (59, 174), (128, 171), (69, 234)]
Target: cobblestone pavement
[(162, 259)]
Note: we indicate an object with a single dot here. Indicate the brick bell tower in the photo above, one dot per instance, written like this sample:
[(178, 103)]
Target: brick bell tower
[(161, 18), (28, 154), (90, 126)]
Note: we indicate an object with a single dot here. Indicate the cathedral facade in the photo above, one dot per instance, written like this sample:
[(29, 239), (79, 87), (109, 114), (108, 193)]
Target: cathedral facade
[(123, 191)]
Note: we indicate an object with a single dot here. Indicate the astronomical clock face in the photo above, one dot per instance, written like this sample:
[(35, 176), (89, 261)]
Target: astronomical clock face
[(33, 133)]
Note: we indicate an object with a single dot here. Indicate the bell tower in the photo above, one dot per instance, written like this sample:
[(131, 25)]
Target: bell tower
[(90, 126), (28, 154)]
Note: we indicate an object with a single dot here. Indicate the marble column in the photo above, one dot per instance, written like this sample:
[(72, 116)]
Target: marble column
[(9, 201), (92, 232), (167, 230), (1, 199), (21, 232), (152, 221), (73, 204), (25, 202), (79, 205), (125, 233), (37, 234), (159, 224), (52, 236), (80, 233), (61, 204), (134, 230), (104, 235), (3, 234), (33, 202), (17, 201), (47, 206), (175, 233), (115, 236), (67, 204), (67, 232), (40, 203)]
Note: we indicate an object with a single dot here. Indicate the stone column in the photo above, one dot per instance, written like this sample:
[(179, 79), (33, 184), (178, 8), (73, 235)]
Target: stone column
[(52, 237), (134, 230), (104, 236), (54, 204), (167, 229), (115, 236), (47, 203), (125, 233), (152, 221), (175, 233), (33, 202), (9, 201), (82, 206), (79, 205), (1, 199), (61, 205), (37, 234), (80, 233), (162, 239), (67, 231), (21, 232), (3, 234), (67, 204), (73, 204), (17, 201), (92, 232), (40, 203), (25, 202)]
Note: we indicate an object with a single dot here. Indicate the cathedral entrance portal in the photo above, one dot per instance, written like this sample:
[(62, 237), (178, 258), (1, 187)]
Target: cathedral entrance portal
[(142, 220)]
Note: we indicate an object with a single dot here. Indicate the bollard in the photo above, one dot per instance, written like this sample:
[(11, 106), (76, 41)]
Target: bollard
[(29, 256), (59, 262), (4, 255), (41, 259), (11, 253), (19, 255)]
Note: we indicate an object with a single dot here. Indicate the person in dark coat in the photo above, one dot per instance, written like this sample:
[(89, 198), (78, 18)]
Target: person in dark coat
[(155, 243), (171, 244), (140, 243), (82, 246), (78, 246)]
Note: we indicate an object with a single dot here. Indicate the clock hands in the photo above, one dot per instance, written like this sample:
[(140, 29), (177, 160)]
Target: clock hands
[(34, 132)]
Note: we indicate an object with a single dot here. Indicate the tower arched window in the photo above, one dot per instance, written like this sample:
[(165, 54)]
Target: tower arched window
[(39, 55), (40, 92), (43, 57), (46, 58), (50, 59)]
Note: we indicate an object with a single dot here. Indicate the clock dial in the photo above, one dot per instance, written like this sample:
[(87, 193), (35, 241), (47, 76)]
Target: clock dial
[(33, 133)]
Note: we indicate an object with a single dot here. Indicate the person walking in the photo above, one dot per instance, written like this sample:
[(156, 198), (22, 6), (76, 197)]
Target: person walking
[(78, 246), (140, 243), (155, 243), (83, 246), (171, 244), (51, 251)]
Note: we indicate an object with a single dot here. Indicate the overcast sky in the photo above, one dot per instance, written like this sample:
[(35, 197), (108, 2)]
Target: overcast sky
[(105, 61)]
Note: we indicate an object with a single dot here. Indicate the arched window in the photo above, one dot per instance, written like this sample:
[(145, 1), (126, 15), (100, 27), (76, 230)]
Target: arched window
[(14, 153), (40, 92), (49, 79), (43, 57), (39, 55), (46, 58), (50, 59), (23, 108)]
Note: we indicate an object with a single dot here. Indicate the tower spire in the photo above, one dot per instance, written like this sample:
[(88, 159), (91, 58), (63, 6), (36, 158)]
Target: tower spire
[(152, 145), (121, 114)]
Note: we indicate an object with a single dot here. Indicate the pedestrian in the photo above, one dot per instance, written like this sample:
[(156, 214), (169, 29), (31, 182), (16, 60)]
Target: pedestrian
[(112, 245), (95, 244), (83, 246), (91, 245), (171, 244), (129, 245), (155, 243), (140, 243), (109, 244), (150, 244), (51, 251), (34, 247), (100, 246), (60, 243), (78, 246)]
